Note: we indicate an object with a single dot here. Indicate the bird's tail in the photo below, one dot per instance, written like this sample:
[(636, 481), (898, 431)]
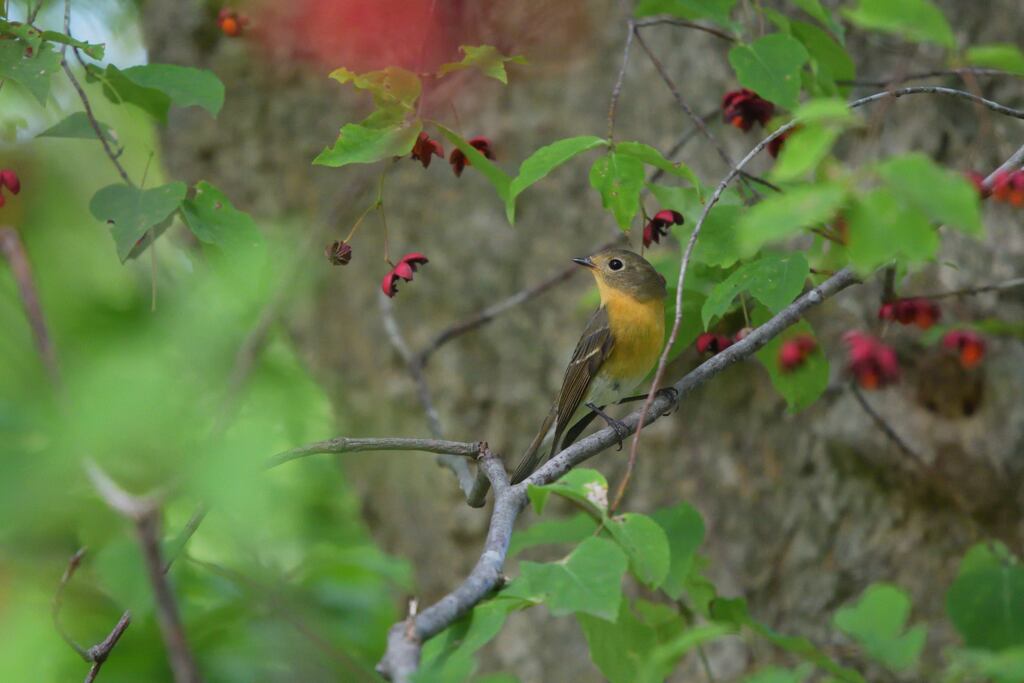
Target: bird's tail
[(537, 452)]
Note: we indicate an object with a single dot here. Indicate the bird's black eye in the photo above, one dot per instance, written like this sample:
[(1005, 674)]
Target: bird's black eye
[(615, 264)]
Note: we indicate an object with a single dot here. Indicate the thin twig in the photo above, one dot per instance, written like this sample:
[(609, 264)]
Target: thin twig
[(940, 90), (931, 475), (101, 650), (697, 120), (970, 291), (14, 251), (58, 602), (1013, 163), (343, 444), (882, 83), (178, 654), (85, 100), (687, 24), (617, 88)]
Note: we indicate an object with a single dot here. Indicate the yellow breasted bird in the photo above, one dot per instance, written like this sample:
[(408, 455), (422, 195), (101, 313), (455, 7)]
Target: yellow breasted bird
[(619, 346)]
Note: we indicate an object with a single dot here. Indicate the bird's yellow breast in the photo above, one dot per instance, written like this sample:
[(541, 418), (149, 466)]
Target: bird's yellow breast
[(638, 329)]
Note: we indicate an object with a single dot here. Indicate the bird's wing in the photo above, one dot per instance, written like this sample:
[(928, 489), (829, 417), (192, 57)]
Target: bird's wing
[(591, 352), (593, 348)]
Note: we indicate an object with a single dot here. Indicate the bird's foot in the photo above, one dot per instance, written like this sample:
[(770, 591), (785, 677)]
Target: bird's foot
[(618, 425)]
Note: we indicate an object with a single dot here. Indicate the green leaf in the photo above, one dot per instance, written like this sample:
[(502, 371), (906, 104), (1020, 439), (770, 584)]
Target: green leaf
[(618, 649), (589, 580), (1006, 666), (582, 485), (214, 220), (774, 674), (619, 178), (449, 655), (882, 228), (184, 86), (781, 215), (814, 8), (802, 386), (1005, 56), (878, 623), (986, 601), (734, 610), (31, 72), (716, 245), (653, 157), (543, 161), (486, 58), (770, 66), (916, 20), (773, 280), (568, 530), (358, 144), (684, 529), (391, 86), (716, 10), (645, 544), (131, 211), (945, 196), (494, 175), (94, 50), (666, 657), (803, 151), (77, 126), (832, 58)]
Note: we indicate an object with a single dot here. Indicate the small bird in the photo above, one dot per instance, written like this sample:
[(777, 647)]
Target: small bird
[(619, 346)]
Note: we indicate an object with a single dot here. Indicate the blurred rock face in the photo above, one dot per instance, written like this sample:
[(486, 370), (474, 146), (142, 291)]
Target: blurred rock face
[(802, 511)]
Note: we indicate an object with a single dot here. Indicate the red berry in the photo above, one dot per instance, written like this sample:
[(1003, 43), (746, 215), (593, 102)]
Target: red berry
[(921, 312), (742, 108), (9, 179), (794, 352)]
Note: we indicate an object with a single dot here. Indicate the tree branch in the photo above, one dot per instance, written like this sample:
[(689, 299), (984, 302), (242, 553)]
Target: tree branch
[(617, 88), (144, 511), (401, 659), (968, 71), (100, 135), (343, 444), (687, 24), (14, 251), (940, 90)]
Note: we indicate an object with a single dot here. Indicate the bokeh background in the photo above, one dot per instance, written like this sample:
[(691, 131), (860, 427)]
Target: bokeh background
[(297, 572)]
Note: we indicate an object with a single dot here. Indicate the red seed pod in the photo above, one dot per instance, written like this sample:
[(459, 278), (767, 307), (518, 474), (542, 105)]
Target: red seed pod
[(872, 363), (969, 345), (403, 270), (742, 108), (794, 352), (339, 252), (658, 226), (775, 146), (425, 149), (711, 343), (459, 161)]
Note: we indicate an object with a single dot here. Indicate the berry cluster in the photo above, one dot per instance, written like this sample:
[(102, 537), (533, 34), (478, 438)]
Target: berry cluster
[(426, 147), (403, 270), (872, 363), (658, 226), (921, 312), (795, 351), (8, 179)]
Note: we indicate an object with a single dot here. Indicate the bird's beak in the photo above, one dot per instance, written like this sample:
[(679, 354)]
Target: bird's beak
[(586, 262)]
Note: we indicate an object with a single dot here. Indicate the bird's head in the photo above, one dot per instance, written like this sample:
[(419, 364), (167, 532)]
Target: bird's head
[(625, 272)]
